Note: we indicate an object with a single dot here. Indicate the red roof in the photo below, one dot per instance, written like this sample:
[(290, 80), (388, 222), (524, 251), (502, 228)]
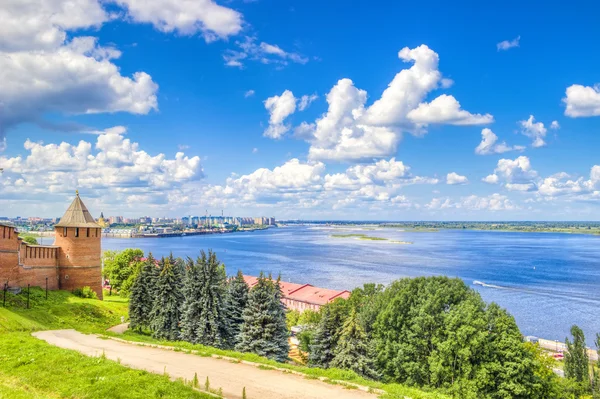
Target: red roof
[(319, 296), (304, 292)]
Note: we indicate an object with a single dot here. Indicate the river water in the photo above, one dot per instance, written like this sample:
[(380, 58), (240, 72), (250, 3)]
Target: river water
[(548, 281)]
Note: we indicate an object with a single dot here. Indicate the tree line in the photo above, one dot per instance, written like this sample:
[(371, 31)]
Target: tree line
[(194, 301), (429, 332)]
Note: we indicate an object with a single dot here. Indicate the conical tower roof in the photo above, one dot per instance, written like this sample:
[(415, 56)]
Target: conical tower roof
[(77, 216)]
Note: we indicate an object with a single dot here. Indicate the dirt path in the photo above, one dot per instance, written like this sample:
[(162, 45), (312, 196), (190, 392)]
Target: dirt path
[(231, 377), (119, 328)]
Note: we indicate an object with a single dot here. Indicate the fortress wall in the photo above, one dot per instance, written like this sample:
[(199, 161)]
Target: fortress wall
[(36, 262)]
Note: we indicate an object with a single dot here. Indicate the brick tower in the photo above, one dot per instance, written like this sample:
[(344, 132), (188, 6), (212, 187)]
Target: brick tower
[(79, 259)]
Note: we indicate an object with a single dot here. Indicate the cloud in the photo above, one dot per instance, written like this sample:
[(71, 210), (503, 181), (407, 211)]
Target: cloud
[(113, 168), (491, 179), (249, 93), (582, 101), (254, 150), (508, 44), (554, 125), (288, 182), (186, 17), (454, 178), (351, 131), (446, 110), (279, 107), (305, 101), (517, 174), (382, 172), (42, 25), (249, 49), (534, 130), (489, 144), (77, 78), (493, 202)]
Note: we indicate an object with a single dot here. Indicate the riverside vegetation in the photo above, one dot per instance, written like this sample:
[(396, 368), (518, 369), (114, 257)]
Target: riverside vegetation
[(434, 333)]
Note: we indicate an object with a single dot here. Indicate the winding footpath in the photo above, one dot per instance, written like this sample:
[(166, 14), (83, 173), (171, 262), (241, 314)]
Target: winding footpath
[(229, 376)]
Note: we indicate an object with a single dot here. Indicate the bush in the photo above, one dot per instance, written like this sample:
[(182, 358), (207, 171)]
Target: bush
[(85, 292)]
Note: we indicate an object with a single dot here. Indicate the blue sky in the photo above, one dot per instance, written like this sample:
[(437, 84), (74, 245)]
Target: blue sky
[(301, 109)]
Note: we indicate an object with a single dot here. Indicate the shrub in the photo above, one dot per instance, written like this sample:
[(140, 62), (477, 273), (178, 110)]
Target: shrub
[(85, 292)]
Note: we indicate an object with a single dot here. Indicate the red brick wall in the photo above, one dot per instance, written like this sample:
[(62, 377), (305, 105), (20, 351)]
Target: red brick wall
[(79, 258), (9, 258), (37, 263)]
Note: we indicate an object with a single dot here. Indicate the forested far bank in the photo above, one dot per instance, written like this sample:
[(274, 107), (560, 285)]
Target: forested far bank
[(429, 332)]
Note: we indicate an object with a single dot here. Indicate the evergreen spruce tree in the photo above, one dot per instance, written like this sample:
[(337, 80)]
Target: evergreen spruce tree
[(166, 311), (352, 352), (190, 310), (264, 331), (142, 295), (281, 336), (204, 320), (322, 348), (236, 300)]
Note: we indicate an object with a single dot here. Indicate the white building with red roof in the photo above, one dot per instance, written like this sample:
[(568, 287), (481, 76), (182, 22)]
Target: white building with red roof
[(303, 296)]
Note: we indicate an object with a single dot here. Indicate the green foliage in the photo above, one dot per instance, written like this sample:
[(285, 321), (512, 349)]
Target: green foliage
[(235, 303), (121, 268), (576, 357), (85, 292), (30, 239), (264, 330), (166, 313), (352, 351), (436, 332), (291, 318), (31, 368), (203, 315), (577, 362), (142, 295)]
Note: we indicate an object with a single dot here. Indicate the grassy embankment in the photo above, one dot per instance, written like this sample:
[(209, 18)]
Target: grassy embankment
[(31, 368), (368, 238)]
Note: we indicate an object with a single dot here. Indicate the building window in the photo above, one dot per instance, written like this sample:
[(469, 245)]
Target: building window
[(76, 231), (88, 231), (64, 231)]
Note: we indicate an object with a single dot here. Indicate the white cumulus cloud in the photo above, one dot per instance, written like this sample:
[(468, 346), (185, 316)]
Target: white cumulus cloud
[(453, 178), (490, 145), (582, 101), (186, 17), (279, 108), (534, 130), (352, 131)]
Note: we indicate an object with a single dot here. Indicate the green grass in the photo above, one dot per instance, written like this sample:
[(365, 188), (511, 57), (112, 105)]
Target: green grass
[(60, 311), (30, 368), (393, 391)]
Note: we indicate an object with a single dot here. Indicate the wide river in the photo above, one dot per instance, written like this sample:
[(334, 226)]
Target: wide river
[(548, 281)]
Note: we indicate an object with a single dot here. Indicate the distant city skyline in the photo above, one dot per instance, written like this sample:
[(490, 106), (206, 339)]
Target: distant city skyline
[(400, 111)]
